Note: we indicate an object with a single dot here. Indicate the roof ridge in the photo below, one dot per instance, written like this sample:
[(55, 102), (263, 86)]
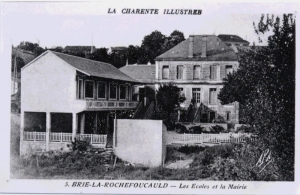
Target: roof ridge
[(81, 58)]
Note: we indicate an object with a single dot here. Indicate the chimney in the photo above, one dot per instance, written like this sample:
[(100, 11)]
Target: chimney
[(191, 46), (204, 42)]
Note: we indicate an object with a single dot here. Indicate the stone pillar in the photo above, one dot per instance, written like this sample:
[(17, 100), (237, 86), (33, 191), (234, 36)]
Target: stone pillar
[(48, 129), (178, 117), (21, 132), (74, 125), (82, 123)]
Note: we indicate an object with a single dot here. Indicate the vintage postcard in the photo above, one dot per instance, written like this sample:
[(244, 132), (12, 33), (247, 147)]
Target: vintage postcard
[(149, 97)]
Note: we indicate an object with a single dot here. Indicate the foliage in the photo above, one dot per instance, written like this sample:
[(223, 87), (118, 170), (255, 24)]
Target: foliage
[(19, 64), (168, 98), (265, 87), (244, 129), (80, 145), (33, 47), (99, 55), (156, 43), (216, 129)]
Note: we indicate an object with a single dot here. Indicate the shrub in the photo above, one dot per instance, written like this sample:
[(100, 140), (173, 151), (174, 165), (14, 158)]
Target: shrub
[(244, 129), (191, 149), (216, 129), (80, 145)]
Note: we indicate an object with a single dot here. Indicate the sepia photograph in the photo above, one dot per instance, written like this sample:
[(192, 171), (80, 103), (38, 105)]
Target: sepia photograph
[(166, 97)]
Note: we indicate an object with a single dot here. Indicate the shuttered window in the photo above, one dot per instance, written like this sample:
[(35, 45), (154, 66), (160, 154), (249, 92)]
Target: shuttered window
[(180, 72), (213, 72), (212, 96), (165, 72), (196, 72), (228, 70)]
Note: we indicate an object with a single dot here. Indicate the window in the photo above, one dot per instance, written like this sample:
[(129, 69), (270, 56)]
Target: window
[(101, 90), (228, 70), (197, 94), (165, 72), (129, 92), (212, 96), (213, 72), (228, 117), (112, 91), (89, 89), (79, 89), (123, 92), (196, 72), (180, 72)]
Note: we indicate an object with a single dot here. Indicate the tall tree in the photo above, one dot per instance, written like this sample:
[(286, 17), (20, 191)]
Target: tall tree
[(153, 44), (99, 55), (265, 87), (33, 47), (174, 39), (168, 98)]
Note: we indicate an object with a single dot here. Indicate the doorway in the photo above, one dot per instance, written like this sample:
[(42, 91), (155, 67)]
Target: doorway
[(212, 116)]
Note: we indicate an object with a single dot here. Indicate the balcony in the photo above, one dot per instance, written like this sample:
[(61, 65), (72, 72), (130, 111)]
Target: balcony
[(103, 104)]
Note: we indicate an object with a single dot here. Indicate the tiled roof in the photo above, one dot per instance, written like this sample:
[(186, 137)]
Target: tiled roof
[(142, 73), (79, 48), (94, 68), (216, 50), (119, 48), (232, 38)]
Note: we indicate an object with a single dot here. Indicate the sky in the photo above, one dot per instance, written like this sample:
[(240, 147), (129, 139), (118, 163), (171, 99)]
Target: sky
[(85, 23)]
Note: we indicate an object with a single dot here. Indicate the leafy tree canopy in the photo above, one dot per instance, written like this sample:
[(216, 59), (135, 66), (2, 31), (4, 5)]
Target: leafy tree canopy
[(168, 98), (33, 47), (265, 87)]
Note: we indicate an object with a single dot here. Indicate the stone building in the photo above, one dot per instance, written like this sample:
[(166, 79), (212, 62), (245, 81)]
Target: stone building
[(197, 66)]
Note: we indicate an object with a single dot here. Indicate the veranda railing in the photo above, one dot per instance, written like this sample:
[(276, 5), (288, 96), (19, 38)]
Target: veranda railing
[(93, 138), (60, 137), (64, 137), (34, 136)]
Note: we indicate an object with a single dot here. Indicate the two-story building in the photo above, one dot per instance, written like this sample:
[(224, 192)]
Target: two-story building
[(64, 97), (197, 66)]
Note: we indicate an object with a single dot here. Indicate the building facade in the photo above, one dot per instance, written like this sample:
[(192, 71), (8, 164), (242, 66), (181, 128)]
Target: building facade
[(64, 97), (198, 66)]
